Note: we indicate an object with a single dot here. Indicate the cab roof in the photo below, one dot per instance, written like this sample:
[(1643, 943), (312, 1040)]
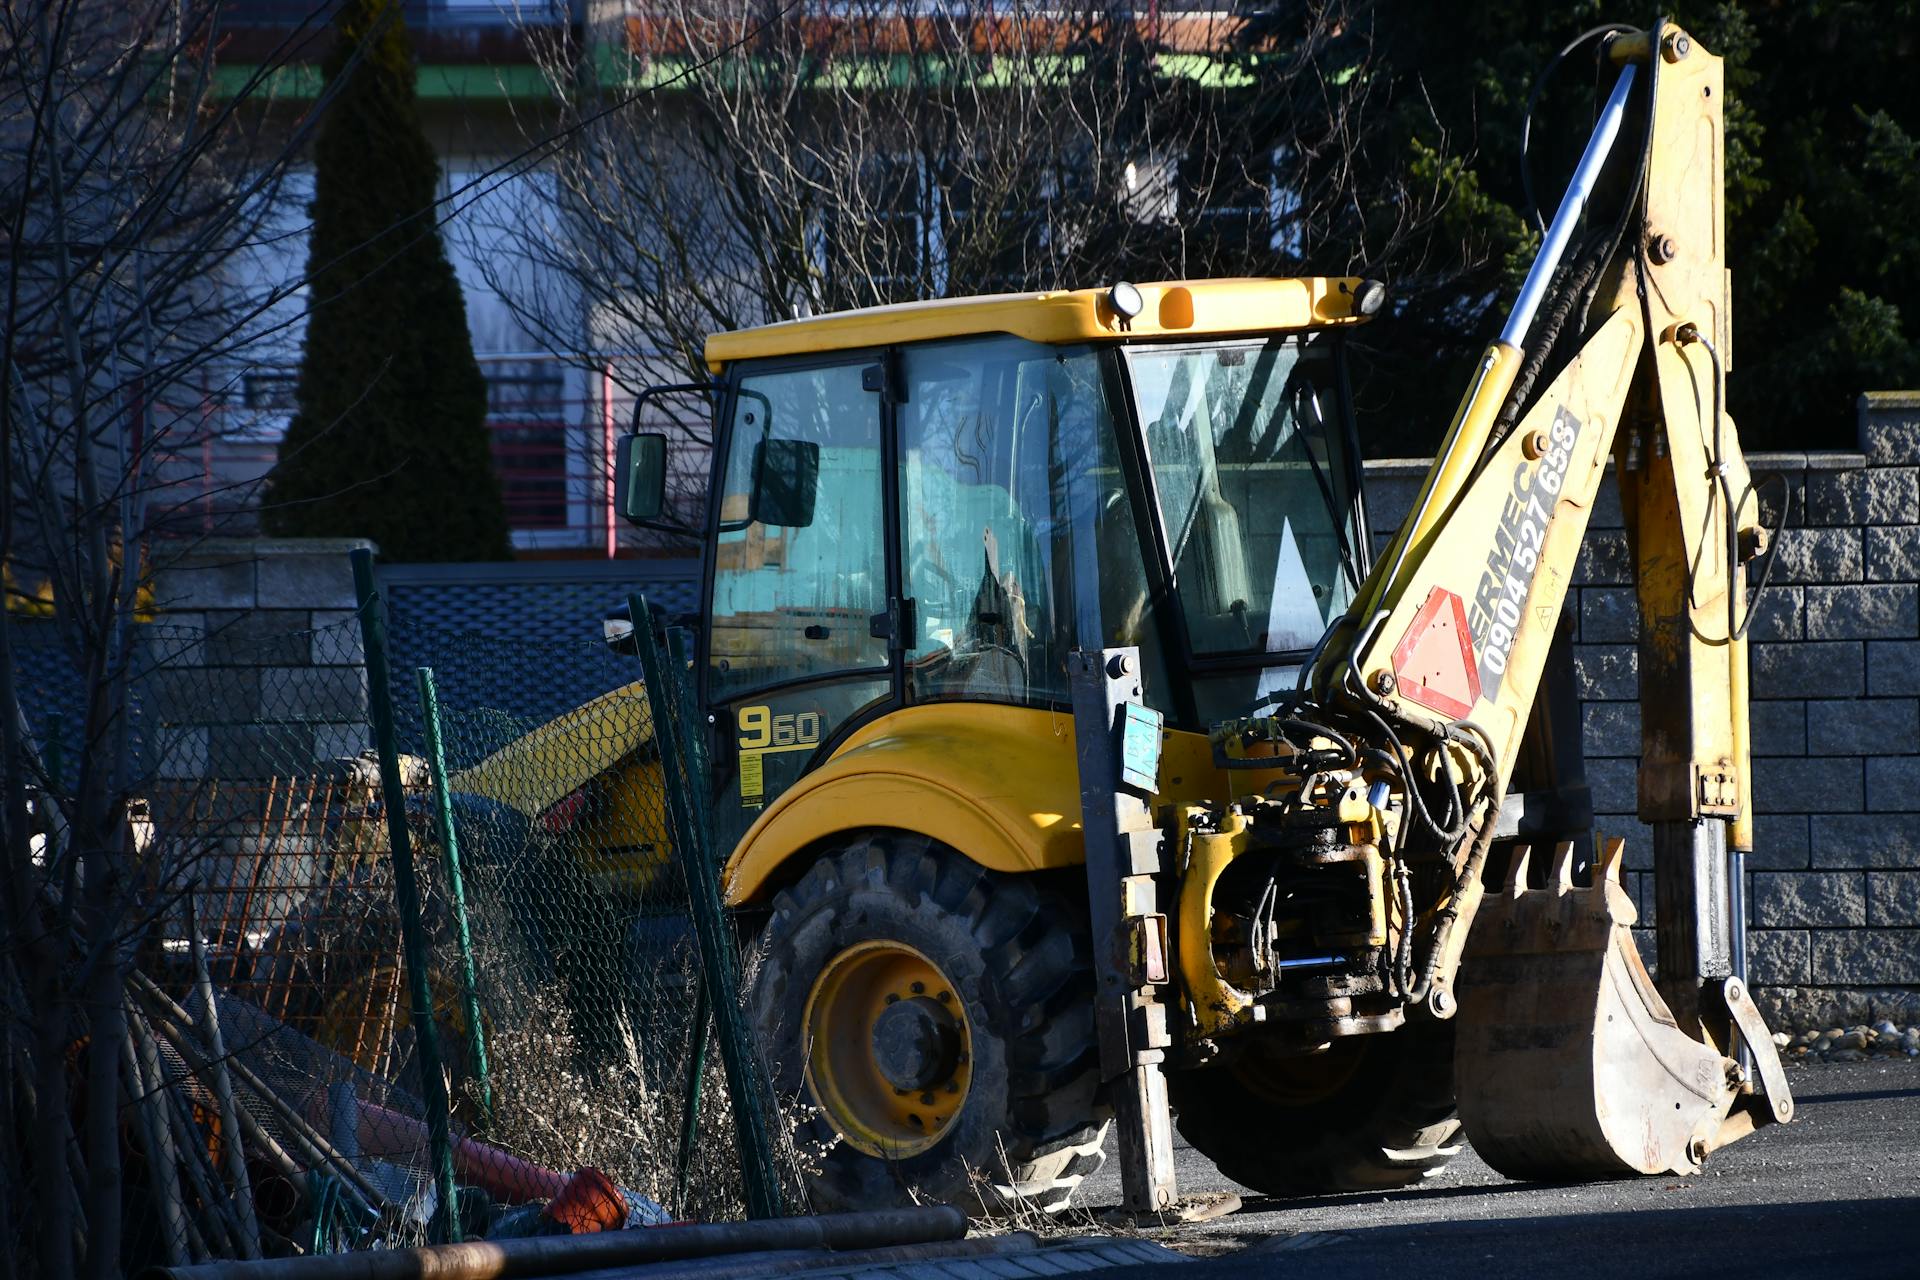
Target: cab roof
[(1174, 308)]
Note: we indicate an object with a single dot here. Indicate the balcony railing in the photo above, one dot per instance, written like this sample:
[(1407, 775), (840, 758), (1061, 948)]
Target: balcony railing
[(552, 420)]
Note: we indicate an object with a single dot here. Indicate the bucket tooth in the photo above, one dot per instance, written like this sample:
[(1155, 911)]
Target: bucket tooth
[(1569, 1063), (1517, 871), (1562, 875), (1613, 856)]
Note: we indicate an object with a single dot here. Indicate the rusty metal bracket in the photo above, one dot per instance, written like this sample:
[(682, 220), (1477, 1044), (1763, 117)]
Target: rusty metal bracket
[(1124, 852)]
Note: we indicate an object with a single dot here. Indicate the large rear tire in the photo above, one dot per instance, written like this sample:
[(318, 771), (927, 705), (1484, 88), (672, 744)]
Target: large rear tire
[(1370, 1114), (896, 961)]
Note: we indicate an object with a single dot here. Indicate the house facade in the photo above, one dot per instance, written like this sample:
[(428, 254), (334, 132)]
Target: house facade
[(562, 386), (555, 398)]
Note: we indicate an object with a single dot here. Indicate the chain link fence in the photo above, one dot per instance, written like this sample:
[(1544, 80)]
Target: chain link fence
[(560, 931), (441, 964)]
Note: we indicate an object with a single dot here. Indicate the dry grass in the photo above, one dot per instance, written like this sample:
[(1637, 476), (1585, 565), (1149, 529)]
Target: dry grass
[(619, 1116)]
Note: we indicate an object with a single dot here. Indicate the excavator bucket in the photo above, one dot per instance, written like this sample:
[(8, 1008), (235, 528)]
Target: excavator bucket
[(1569, 1064)]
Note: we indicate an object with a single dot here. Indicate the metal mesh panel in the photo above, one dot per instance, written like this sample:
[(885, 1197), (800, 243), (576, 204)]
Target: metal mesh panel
[(254, 838), (276, 1097), (583, 958), (535, 604)]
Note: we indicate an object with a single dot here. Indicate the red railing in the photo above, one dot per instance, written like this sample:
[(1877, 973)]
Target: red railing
[(553, 422)]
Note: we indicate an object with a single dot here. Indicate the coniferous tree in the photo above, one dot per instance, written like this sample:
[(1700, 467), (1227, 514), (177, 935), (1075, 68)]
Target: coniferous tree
[(390, 439), (1822, 174)]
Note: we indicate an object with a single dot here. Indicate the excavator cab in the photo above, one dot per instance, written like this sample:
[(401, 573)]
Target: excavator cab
[(945, 520)]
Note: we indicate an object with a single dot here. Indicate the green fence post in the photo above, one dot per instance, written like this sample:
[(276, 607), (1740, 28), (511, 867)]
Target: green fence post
[(695, 742), (718, 963), (456, 889), (696, 1080), (702, 1037), (445, 1226)]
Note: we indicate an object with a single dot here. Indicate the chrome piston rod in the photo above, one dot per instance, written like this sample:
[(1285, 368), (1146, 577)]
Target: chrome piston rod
[(1606, 131), (1574, 203)]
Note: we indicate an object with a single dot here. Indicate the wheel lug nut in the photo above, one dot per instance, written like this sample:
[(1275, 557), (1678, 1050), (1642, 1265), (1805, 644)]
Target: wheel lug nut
[(946, 997), (953, 1086), (926, 1099), (892, 998), (919, 988)]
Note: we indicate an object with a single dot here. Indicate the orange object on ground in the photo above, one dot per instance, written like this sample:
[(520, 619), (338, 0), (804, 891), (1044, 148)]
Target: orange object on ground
[(588, 1203)]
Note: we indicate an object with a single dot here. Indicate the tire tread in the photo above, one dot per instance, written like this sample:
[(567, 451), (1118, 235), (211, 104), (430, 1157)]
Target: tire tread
[(1035, 963)]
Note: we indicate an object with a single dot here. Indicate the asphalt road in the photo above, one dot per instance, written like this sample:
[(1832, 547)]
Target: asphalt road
[(1835, 1193)]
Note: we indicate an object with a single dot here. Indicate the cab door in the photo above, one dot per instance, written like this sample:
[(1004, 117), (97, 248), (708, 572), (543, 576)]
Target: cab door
[(802, 583)]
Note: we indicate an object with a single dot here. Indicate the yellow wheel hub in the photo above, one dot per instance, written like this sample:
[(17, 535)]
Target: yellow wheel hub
[(889, 1051)]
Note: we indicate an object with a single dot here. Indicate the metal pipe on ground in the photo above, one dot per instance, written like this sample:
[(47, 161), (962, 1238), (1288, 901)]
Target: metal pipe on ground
[(177, 1026), (568, 1255), (232, 1148), (155, 1132)]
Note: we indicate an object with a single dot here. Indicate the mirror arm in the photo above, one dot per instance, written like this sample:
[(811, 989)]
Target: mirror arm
[(639, 403), (665, 389), (669, 526)]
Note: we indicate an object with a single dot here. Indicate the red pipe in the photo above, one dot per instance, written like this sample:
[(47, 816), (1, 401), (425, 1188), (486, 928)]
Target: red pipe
[(387, 1133), (607, 454)]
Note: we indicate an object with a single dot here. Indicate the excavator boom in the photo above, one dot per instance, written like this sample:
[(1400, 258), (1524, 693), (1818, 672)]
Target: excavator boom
[(1572, 1060)]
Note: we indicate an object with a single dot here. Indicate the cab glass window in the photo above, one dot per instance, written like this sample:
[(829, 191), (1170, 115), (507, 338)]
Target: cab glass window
[(1249, 464), (799, 565), (1008, 456)]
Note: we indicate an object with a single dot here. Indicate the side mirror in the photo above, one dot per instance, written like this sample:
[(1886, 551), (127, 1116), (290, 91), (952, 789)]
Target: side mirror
[(786, 478), (617, 629), (640, 476)]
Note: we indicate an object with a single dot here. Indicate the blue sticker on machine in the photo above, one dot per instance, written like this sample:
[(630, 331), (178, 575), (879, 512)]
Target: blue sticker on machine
[(1140, 747), (1498, 605)]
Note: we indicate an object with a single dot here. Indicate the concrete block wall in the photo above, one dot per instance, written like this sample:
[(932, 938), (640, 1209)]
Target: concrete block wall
[(257, 657), (1834, 878)]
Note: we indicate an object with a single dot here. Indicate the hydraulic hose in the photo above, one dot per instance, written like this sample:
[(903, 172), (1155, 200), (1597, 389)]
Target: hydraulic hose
[(1573, 204), (1720, 489), (1448, 917), (1533, 104)]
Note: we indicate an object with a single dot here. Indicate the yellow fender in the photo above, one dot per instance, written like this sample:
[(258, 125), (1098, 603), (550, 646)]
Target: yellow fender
[(997, 783)]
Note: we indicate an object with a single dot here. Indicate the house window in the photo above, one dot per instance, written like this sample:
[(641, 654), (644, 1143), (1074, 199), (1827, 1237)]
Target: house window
[(271, 390), (525, 391), (529, 420), (891, 245), (923, 231), (1229, 204), (1239, 210)]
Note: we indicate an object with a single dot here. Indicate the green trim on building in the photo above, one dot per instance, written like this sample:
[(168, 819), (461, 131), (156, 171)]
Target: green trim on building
[(891, 71), (520, 83), (302, 82)]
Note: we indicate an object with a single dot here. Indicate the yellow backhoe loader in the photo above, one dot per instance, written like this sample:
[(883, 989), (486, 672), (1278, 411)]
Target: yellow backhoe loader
[(1080, 764)]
